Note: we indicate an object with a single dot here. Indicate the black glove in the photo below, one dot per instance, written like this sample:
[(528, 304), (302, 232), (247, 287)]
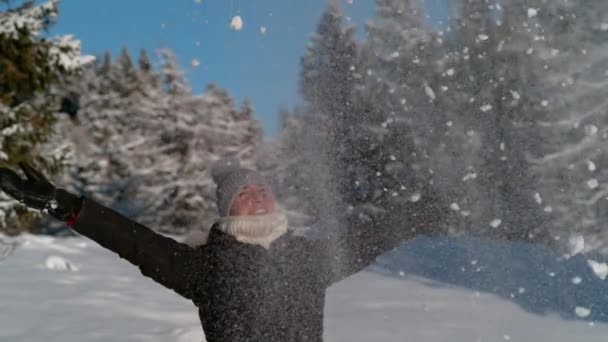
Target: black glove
[(37, 192)]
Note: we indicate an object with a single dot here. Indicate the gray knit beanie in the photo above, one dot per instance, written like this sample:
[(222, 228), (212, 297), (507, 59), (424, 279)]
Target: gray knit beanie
[(230, 178)]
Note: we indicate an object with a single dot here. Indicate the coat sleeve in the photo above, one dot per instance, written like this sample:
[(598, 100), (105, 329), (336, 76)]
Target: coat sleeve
[(175, 265), (348, 252)]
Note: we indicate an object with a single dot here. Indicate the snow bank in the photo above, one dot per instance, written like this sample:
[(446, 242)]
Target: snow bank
[(551, 284)]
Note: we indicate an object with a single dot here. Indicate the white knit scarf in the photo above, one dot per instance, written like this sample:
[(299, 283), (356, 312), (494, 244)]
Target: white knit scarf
[(255, 229)]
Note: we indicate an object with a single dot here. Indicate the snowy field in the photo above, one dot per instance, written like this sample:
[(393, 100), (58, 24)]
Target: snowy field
[(72, 290)]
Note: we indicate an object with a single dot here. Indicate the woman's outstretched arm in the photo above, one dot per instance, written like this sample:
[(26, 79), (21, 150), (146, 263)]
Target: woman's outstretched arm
[(175, 265), (348, 252), (172, 264)]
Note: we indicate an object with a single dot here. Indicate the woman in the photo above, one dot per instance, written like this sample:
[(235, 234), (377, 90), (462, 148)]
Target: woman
[(252, 281)]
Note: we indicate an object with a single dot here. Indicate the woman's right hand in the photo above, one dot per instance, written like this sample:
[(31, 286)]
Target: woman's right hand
[(37, 192)]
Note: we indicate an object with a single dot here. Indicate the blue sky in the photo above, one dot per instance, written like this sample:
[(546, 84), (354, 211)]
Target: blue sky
[(261, 67)]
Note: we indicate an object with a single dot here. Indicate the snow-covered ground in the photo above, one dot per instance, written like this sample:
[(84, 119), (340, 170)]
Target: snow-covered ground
[(71, 289)]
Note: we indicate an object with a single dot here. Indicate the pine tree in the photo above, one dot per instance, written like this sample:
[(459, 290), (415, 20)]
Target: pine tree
[(106, 62), (572, 166), (173, 77), (31, 64), (302, 160), (397, 104), (498, 91), (346, 164), (144, 61), (326, 83), (148, 151)]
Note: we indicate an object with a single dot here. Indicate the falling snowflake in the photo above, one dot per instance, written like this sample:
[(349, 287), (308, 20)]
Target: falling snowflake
[(582, 312), (577, 280), (469, 176), (590, 130), (485, 108), (450, 72), (591, 166), (538, 199), (532, 12), (429, 92), (577, 244), (495, 223), (501, 44), (593, 183), (599, 268), (515, 95), (415, 197), (195, 63), (455, 206), (483, 37), (262, 29), (236, 23)]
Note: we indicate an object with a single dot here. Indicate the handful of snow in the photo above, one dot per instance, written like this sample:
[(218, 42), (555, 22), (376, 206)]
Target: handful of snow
[(59, 264), (599, 268), (236, 23)]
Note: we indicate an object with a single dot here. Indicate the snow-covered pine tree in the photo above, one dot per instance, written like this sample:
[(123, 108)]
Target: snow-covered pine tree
[(327, 83), (346, 141), (284, 160), (192, 131), (400, 123), (573, 168), (499, 98), (152, 142), (407, 56), (31, 64), (97, 132), (314, 143)]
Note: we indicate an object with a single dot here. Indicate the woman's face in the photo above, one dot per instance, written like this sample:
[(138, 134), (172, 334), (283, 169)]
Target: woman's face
[(252, 200)]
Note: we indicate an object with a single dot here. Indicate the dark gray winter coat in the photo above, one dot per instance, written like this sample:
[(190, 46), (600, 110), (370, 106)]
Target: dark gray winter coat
[(243, 292)]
